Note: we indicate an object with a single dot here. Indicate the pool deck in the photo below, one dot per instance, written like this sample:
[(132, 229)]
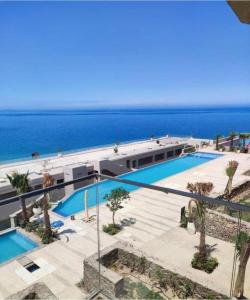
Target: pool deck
[(156, 232)]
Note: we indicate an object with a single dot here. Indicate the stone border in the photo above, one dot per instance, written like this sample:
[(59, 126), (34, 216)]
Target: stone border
[(112, 283), (222, 226)]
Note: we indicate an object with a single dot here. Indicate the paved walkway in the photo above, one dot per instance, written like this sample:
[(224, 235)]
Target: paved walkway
[(155, 231)]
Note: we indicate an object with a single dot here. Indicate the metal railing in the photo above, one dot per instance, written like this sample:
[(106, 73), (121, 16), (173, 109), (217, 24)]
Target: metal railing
[(98, 177), (209, 200)]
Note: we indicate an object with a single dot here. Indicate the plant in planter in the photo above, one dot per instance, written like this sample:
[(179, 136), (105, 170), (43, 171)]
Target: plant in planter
[(230, 172), (36, 208), (237, 149), (116, 148), (114, 202), (201, 260), (243, 253), (184, 218)]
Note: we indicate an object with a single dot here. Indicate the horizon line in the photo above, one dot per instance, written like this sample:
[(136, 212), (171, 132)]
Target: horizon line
[(122, 107)]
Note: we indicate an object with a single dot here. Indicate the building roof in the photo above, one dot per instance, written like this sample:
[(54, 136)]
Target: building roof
[(241, 9)]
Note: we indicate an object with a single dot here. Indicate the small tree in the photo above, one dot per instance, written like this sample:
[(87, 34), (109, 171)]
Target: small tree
[(200, 188), (48, 181), (20, 182), (243, 251), (115, 200), (230, 171)]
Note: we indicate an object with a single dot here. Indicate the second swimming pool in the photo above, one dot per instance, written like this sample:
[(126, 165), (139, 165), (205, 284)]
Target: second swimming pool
[(13, 244), (75, 202)]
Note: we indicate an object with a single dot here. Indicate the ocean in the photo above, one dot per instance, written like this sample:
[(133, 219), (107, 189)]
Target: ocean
[(50, 131)]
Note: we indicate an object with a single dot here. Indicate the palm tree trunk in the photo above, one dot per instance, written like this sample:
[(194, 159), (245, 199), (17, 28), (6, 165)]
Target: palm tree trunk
[(228, 189), (239, 284), (202, 246), (46, 216), (231, 144), (24, 210)]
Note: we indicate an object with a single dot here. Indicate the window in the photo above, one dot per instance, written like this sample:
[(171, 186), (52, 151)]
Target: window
[(60, 181), (134, 164), (128, 164), (145, 160), (170, 154), (159, 156), (178, 151)]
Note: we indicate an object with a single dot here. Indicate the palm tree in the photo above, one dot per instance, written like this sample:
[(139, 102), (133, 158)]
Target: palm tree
[(244, 136), (48, 181), (230, 171), (243, 251), (232, 137), (200, 188), (218, 137), (20, 182)]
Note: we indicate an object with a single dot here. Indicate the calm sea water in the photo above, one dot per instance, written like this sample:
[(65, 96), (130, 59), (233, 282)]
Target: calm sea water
[(24, 132)]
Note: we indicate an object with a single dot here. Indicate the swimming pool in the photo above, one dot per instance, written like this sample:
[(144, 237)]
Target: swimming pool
[(13, 244), (75, 202)]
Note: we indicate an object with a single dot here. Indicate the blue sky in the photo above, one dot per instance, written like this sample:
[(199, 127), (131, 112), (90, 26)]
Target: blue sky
[(82, 54)]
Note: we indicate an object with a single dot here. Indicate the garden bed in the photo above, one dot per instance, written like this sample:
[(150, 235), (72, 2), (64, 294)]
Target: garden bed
[(38, 229), (125, 273)]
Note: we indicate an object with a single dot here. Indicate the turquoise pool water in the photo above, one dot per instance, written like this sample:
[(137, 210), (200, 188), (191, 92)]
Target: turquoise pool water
[(13, 244), (75, 202)]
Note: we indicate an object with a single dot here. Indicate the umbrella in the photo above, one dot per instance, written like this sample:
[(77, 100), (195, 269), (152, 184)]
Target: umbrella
[(86, 205)]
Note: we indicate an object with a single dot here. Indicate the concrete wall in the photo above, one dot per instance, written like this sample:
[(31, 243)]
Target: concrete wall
[(75, 172)]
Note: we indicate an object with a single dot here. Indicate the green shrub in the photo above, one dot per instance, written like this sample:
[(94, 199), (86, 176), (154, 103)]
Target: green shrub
[(186, 290), (142, 264), (21, 223), (111, 229), (138, 290), (159, 277), (40, 231), (31, 226), (207, 265), (47, 239)]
